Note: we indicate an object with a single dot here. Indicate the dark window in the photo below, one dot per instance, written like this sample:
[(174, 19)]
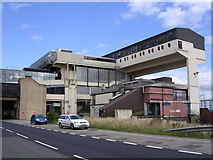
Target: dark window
[(152, 50), (180, 95), (143, 53), (180, 45), (169, 45), (158, 48), (124, 59), (127, 58), (140, 53), (132, 57), (149, 51), (135, 55), (57, 89), (120, 60), (162, 47)]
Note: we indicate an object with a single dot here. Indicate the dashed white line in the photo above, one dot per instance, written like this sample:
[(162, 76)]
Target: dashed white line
[(47, 145), (22, 135), (56, 130), (9, 130), (79, 157), (95, 137), (2, 127), (72, 133), (37, 127), (49, 129), (111, 140), (156, 147), (190, 152), (32, 126), (63, 132), (130, 143), (42, 128), (82, 135)]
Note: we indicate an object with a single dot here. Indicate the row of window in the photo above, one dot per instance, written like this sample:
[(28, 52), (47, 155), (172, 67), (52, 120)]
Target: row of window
[(143, 53)]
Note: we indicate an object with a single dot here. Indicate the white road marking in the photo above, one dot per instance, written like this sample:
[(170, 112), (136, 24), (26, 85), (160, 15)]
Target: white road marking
[(47, 145), (72, 133), (22, 135), (82, 135), (130, 143), (49, 129), (56, 130), (154, 147), (9, 130), (42, 128), (111, 140), (79, 157), (32, 126), (95, 137), (63, 132), (189, 152), (37, 127), (2, 127)]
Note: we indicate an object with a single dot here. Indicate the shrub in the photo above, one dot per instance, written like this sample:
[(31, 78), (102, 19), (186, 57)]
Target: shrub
[(52, 116)]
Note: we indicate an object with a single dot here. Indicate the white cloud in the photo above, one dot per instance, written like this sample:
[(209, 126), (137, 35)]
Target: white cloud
[(184, 14), (208, 40), (102, 45), (169, 14), (36, 37), (18, 5), (26, 26), (82, 52)]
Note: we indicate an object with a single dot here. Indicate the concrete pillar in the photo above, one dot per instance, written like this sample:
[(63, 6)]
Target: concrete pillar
[(193, 84), (70, 90)]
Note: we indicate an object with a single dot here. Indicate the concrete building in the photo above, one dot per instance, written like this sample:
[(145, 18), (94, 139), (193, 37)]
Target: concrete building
[(70, 79)]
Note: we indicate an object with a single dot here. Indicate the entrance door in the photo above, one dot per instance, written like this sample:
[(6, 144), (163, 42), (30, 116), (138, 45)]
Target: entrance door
[(9, 110), (153, 109)]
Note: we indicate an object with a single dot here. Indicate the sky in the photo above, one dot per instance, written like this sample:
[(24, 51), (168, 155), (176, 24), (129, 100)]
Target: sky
[(31, 29)]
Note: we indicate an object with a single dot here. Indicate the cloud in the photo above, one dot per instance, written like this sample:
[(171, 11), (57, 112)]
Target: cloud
[(102, 45), (170, 14), (36, 37), (82, 52), (208, 40), (26, 26), (18, 5)]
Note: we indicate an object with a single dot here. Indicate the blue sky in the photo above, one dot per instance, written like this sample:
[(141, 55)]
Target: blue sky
[(32, 29)]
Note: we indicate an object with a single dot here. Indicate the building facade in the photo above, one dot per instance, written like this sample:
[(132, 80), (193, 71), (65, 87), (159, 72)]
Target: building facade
[(67, 80)]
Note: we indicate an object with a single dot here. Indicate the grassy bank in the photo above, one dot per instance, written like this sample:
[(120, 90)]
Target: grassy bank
[(146, 126)]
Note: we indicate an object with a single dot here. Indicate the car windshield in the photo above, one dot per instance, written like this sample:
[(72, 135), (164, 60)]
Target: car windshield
[(75, 117), (39, 116)]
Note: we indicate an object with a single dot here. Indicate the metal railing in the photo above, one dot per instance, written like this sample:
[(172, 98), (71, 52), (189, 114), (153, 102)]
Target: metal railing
[(193, 129)]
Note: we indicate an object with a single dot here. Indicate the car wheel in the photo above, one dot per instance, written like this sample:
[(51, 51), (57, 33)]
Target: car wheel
[(45, 123), (85, 127), (72, 126), (60, 125), (31, 122)]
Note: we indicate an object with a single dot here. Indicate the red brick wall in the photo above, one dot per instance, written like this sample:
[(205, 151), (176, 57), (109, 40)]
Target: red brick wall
[(206, 116), (176, 109)]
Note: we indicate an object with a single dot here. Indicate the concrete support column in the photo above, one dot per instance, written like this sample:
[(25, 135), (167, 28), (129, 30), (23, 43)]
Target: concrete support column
[(70, 90), (193, 84)]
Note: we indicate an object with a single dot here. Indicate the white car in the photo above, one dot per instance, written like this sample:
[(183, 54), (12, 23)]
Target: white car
[(73, 121)]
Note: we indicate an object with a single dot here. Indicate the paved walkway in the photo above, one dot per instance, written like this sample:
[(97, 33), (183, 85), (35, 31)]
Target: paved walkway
[(178, 143)]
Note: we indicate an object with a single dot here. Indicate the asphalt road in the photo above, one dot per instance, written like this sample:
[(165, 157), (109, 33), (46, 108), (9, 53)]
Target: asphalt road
[(28, 141)]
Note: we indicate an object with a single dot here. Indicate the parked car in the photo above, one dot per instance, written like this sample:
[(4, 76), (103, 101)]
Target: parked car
[(38, 119), (73, 121)]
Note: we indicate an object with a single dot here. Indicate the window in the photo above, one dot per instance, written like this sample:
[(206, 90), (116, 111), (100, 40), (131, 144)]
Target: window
[(143, 53), (82, 90), (162, 47), (149, 51), (93, 75), (125, 59), (152, 50), (140, 54), (169, 45), (132, 57), (55, 89), (158, 48), (103, 75), (135, 55), (180, 45), (81, 74), (180, 95), (120, 60)]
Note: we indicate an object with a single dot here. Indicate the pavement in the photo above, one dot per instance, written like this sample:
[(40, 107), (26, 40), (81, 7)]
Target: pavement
[(158, 141)]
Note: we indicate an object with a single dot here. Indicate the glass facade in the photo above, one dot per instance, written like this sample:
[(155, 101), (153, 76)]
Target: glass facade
[(8, 75), (55, 89), (99, 75)]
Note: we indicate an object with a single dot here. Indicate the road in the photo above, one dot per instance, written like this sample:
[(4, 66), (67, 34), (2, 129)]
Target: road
[(35, 141)]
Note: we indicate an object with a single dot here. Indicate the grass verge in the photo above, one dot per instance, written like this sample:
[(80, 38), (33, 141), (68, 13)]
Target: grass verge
[(146, 126)]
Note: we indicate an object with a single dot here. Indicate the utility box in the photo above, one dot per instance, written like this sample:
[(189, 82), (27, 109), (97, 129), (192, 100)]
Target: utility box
[(123, 113)]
